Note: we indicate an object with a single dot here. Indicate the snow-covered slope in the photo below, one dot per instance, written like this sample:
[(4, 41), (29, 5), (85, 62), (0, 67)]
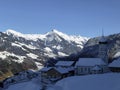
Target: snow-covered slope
[(110, 81), (33, 50), (52, 44), (91, 48), (34, 84)]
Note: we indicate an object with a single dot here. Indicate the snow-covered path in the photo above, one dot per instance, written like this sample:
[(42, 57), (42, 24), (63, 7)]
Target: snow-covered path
[(34, 84), (108, 81)]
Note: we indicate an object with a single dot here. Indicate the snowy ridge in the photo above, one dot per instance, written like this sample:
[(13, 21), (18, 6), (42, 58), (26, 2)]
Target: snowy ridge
[(35, 37), (69, 38), (26, 36)]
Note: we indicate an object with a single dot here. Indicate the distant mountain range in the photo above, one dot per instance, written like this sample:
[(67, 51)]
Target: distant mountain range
[(29, 51)]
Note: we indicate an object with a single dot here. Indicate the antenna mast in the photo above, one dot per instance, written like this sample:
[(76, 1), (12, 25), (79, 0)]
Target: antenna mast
[(102, 32)]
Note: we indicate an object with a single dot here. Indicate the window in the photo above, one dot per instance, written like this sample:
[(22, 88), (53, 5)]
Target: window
[(88, 69), (85, 68), (81, 70)]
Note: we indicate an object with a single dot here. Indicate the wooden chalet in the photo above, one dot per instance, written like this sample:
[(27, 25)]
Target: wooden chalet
[(68, 65), (54, 73)]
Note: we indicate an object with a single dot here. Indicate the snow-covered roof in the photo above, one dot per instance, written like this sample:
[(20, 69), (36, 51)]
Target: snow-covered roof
[(96, 68), (62, 70), (59, 69), (115, 63), (90, 62), (45, 69), (64, 63)]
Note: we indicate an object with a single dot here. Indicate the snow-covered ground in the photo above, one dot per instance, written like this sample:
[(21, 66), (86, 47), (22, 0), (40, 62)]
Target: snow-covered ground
[(34, 84), (109, 81)]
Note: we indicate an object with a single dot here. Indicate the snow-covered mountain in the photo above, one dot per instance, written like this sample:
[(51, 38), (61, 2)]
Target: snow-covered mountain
[(53, 43), (25, 51)]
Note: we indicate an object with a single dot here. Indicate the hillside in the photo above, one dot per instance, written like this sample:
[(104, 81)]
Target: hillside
[(91, 47), (20, 52)]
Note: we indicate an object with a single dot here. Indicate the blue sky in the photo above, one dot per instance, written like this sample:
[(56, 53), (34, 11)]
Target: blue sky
[(79, 17)]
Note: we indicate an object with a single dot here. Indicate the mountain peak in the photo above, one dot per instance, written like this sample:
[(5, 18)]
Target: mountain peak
[(55, 31)]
